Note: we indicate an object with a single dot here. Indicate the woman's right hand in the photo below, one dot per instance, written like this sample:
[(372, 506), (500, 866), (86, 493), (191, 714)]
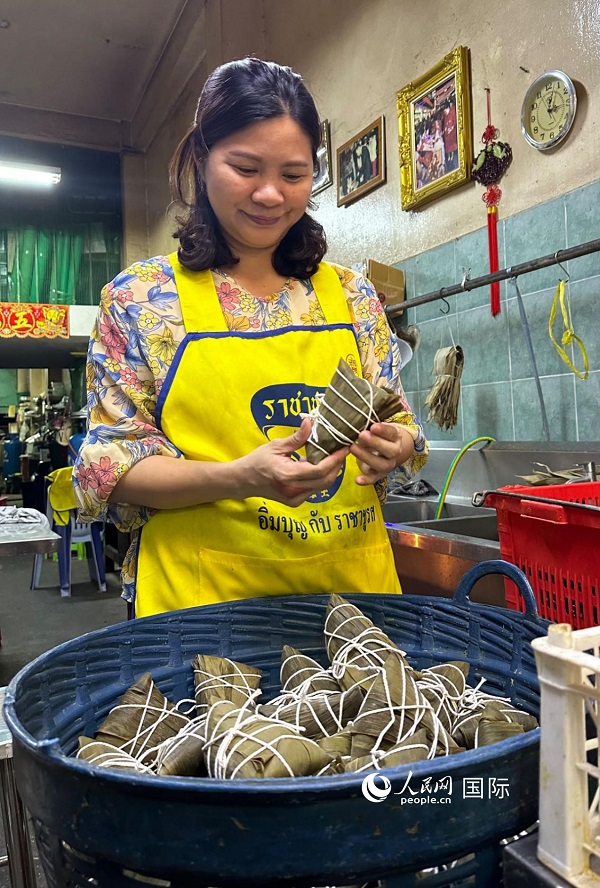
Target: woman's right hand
[(270, 472)]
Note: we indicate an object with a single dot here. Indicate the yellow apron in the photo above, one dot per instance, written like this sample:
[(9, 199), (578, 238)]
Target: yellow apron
[(226, 393)]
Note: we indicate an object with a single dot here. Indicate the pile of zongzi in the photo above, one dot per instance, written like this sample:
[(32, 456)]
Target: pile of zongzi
[(368, 709)]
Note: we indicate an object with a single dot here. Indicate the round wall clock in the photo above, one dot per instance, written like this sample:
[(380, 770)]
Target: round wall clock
[(548, 110)]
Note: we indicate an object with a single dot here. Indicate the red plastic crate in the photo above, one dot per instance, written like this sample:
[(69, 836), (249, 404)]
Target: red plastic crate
[(558, 549)]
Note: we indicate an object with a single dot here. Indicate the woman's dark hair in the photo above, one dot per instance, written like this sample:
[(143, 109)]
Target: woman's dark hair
[(235, 96)]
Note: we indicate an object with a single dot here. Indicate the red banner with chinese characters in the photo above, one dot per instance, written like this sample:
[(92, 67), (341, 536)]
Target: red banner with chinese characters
[(31, 319)]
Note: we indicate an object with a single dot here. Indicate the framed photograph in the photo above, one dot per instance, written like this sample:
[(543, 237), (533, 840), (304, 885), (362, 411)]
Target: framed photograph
[(436, 131), (361, 163), (323, 179)]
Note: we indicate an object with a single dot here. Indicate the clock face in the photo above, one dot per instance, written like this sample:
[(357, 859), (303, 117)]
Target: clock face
[(548, 110)]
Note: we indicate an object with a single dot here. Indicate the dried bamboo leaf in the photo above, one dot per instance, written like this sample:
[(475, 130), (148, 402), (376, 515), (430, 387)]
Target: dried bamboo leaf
[(298, 670), (337, 766), (443, 686), (444, 396), (349, 405), (141, 720), (241, 743), (493, 731), (416, 749), (317, 714), (220, 678), (465, 727), (337, 745), (355, 646), (183, 755), (357, 677), (392, 707), (105, 755), (506, 712)]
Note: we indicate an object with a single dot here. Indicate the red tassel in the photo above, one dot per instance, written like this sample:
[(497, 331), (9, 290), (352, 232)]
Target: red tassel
[(492, 220)]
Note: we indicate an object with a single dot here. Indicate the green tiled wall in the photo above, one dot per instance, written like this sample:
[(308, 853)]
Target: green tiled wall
[(498, 391)]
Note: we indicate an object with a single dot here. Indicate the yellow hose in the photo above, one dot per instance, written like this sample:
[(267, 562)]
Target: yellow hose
[(453, 466)]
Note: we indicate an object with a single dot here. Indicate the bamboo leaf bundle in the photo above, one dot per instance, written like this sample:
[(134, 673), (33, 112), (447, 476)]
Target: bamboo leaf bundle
[(218, 677), (183, 755), (317, 714), (339, 744), (105, 755), (393, 710), (443, 686), (357, 649), (141, 721), (476, 706), (241, 743), (444, 397), (415, 749), (493, 731), (303, 674)]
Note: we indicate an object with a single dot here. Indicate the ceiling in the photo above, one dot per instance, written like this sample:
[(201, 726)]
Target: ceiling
[(93, 58), (25, 353)]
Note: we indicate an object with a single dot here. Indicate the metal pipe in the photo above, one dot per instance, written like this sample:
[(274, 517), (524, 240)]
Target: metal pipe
[(502, 275)]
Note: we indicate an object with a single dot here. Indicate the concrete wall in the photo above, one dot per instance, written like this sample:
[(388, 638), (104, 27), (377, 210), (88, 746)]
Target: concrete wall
[(356, 54)]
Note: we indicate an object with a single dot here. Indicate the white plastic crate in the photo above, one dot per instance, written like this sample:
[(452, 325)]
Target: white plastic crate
[(568, 664)]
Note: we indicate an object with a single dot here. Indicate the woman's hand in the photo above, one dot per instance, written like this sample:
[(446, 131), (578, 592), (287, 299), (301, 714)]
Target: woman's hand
[(270, 472), (380, 450)]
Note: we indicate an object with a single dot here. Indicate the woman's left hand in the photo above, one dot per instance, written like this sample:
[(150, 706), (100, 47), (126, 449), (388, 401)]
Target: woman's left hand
[(380, 450)]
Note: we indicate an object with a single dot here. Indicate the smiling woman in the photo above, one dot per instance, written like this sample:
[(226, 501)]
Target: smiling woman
[(204, 365), (258, 182)]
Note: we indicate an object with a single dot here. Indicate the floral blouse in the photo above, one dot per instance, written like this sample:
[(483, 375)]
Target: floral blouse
[(133, 343)]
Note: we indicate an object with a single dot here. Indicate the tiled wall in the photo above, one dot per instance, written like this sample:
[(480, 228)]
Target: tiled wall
[(498, 390)]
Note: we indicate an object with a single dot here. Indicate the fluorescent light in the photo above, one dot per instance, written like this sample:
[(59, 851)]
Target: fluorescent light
[(28, 173)]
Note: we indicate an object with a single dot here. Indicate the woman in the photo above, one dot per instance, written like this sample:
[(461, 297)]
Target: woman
[(202, 361)]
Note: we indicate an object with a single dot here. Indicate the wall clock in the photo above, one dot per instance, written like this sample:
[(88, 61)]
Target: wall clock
[(548, 110)]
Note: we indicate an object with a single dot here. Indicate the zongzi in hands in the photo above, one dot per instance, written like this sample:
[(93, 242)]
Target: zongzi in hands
[(349, 405)]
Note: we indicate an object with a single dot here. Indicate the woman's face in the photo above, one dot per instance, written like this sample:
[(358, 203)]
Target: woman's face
[(258, 182)]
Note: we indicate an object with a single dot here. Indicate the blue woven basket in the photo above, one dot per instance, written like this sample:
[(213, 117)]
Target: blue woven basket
[(119, 830)]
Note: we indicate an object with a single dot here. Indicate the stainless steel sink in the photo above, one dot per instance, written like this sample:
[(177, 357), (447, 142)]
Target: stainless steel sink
[(432, 554), (459, 518)]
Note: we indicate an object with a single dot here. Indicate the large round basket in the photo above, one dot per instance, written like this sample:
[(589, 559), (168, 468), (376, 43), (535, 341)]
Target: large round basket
[(111, 829)]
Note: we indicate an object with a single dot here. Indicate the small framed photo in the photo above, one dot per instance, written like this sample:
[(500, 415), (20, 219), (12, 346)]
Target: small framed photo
[(322, 178), (361, 163), (435, 131)]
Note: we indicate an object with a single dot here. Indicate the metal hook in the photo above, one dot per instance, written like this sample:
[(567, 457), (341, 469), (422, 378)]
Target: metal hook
[(447, 304), (561, 266)]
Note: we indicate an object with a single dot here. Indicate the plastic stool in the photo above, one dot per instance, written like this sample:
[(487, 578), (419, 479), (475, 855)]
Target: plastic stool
[(18, 844), (89, 534)]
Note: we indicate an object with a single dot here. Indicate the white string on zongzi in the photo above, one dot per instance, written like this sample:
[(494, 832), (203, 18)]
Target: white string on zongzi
[(237, 679), (294, 708), (376, 759), (318, 420), (305, 685), (143, 735), (108, 756), (231, 738)]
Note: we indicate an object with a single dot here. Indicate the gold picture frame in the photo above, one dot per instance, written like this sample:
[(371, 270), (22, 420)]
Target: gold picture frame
[(360, 163), (435, 130), (322, 178)]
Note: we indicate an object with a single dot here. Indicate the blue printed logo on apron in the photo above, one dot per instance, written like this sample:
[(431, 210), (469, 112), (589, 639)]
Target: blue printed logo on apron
[(277, 409)]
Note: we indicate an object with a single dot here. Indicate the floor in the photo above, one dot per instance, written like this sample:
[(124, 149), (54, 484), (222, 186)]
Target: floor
[(33, 622)]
